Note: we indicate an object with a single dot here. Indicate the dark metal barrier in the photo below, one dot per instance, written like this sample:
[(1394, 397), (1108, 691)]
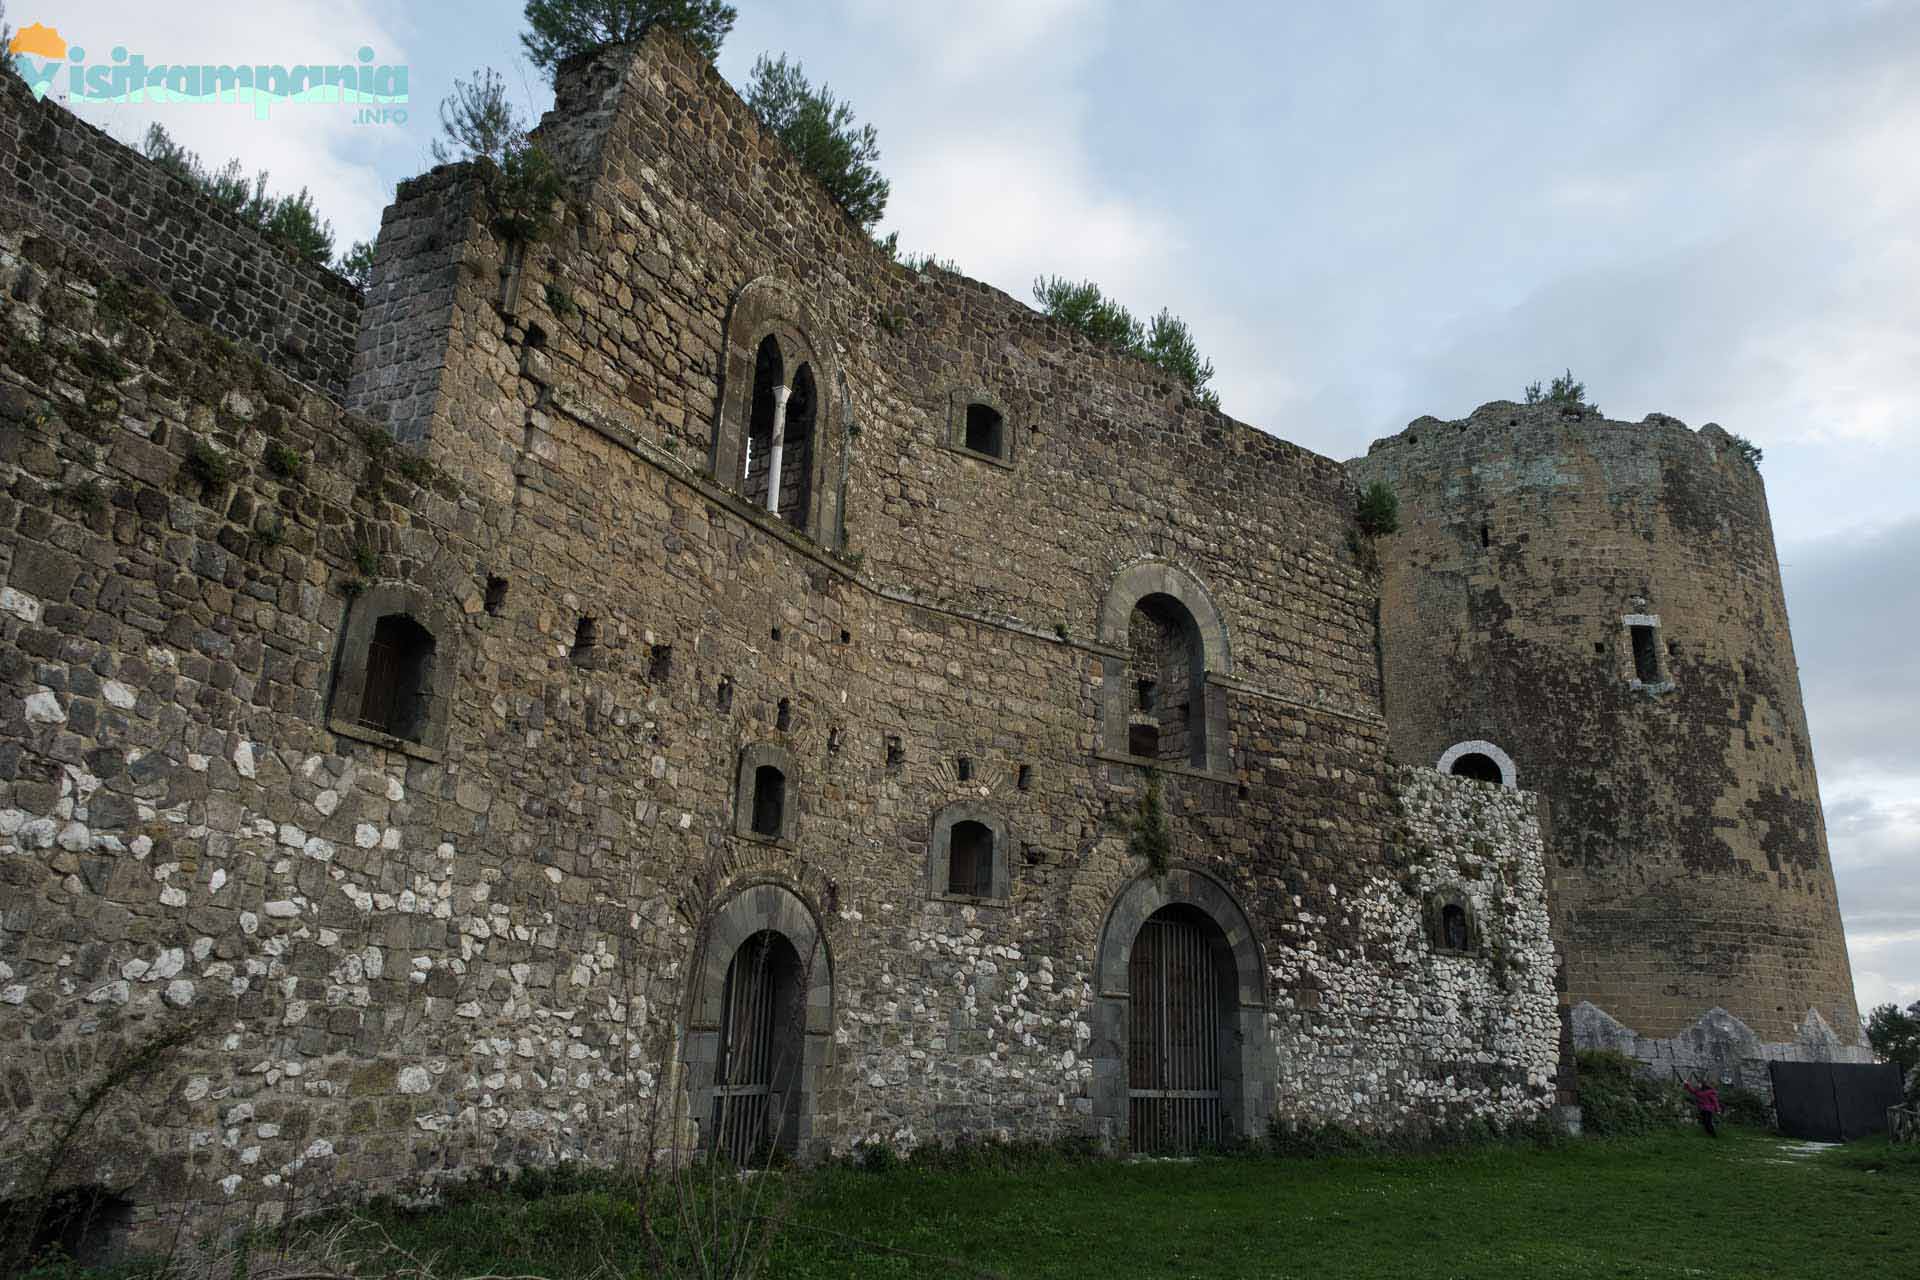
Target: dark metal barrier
[(1833, 1101)]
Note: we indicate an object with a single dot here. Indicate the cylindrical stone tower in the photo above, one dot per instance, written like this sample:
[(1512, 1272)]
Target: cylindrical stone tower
[(1592, 610)]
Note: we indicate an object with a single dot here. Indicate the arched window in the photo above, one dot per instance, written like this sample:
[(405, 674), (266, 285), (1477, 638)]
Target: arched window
[(967, 856), (774, 405), (1162, 708), (1452, 925), (796, 471), (769, 376), (1480, 761), (391, 684), (1164, 669), (763, 803)]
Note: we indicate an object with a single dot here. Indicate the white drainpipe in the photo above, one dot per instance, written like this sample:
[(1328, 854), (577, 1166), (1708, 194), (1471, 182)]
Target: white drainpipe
[(780, 395)]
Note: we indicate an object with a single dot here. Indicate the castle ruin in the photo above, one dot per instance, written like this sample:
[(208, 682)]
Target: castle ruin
[(690, 670)]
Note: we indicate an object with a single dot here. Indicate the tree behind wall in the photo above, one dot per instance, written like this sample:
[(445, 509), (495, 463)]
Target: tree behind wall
[(1894, 1034), (1167, 342), (559, 29), (820, 131)]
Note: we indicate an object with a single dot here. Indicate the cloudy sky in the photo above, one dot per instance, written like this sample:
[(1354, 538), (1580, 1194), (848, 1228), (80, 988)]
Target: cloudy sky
[(1369, 211)]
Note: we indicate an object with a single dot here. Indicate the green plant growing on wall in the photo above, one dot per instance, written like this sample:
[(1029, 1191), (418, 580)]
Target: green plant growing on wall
[(365, 560), (1750, 453), (559, 29), (1166, 341), (560, 302), (1378, 512), (284, 462), (1563, 390), (1149, 839), (480, 124)]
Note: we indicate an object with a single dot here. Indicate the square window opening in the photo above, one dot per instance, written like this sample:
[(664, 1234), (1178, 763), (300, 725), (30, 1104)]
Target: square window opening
[(986, 431), (399, 663)]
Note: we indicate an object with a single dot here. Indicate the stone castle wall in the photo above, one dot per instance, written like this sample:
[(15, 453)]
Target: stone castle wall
[(375, 959), (1690, 866), (71, 180)]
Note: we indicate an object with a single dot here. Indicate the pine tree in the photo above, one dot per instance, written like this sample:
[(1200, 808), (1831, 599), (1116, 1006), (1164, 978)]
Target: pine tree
[(820, 131), (559, 29)]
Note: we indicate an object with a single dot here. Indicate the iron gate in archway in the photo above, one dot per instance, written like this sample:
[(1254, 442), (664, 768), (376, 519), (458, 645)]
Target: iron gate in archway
[(1173, 1045), (758, 1051)]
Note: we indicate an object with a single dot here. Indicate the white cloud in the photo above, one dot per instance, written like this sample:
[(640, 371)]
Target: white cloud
[(310, 145)]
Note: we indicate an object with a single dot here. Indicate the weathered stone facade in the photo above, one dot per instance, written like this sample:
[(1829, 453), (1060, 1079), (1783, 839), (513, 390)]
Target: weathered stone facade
[(63, 176), (1596, 606), (420, 798)]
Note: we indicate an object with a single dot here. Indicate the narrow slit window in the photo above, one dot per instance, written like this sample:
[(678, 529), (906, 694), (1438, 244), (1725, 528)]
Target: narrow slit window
[(586, 640), (1646, 654), (769, 800), (399, 662), (1453, 927), (970, 865), (496, 599), (964, 766), (986, 431)]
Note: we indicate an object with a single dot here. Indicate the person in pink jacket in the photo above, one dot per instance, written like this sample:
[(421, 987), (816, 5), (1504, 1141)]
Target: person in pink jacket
[(1707, 1099)]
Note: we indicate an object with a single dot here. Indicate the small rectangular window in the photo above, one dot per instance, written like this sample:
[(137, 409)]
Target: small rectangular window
[(970, 861), (986, 430), (1646, 654), (769, 800)]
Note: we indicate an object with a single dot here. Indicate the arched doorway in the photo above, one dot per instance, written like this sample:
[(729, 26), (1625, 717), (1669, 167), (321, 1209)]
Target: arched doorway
[(762, 1039), (1179, 1048), (760, 1027), (1180, 1026)]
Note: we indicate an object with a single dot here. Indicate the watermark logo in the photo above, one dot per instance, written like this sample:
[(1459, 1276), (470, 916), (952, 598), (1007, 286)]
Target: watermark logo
[(48, 63)]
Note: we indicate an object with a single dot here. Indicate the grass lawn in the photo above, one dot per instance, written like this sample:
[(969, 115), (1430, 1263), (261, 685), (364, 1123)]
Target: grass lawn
[(1677, 1205)]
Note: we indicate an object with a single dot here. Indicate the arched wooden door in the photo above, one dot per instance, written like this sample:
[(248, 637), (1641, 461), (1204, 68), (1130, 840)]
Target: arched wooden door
[(759, 1051), (1174, 1096)]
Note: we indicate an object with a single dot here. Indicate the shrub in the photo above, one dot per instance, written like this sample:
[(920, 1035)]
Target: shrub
[(284, 462), (1379, 510), (1563, 390), (1167, 342), (1750, 453), (1745, 1107), (1149, 838), (1617, 1101)]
